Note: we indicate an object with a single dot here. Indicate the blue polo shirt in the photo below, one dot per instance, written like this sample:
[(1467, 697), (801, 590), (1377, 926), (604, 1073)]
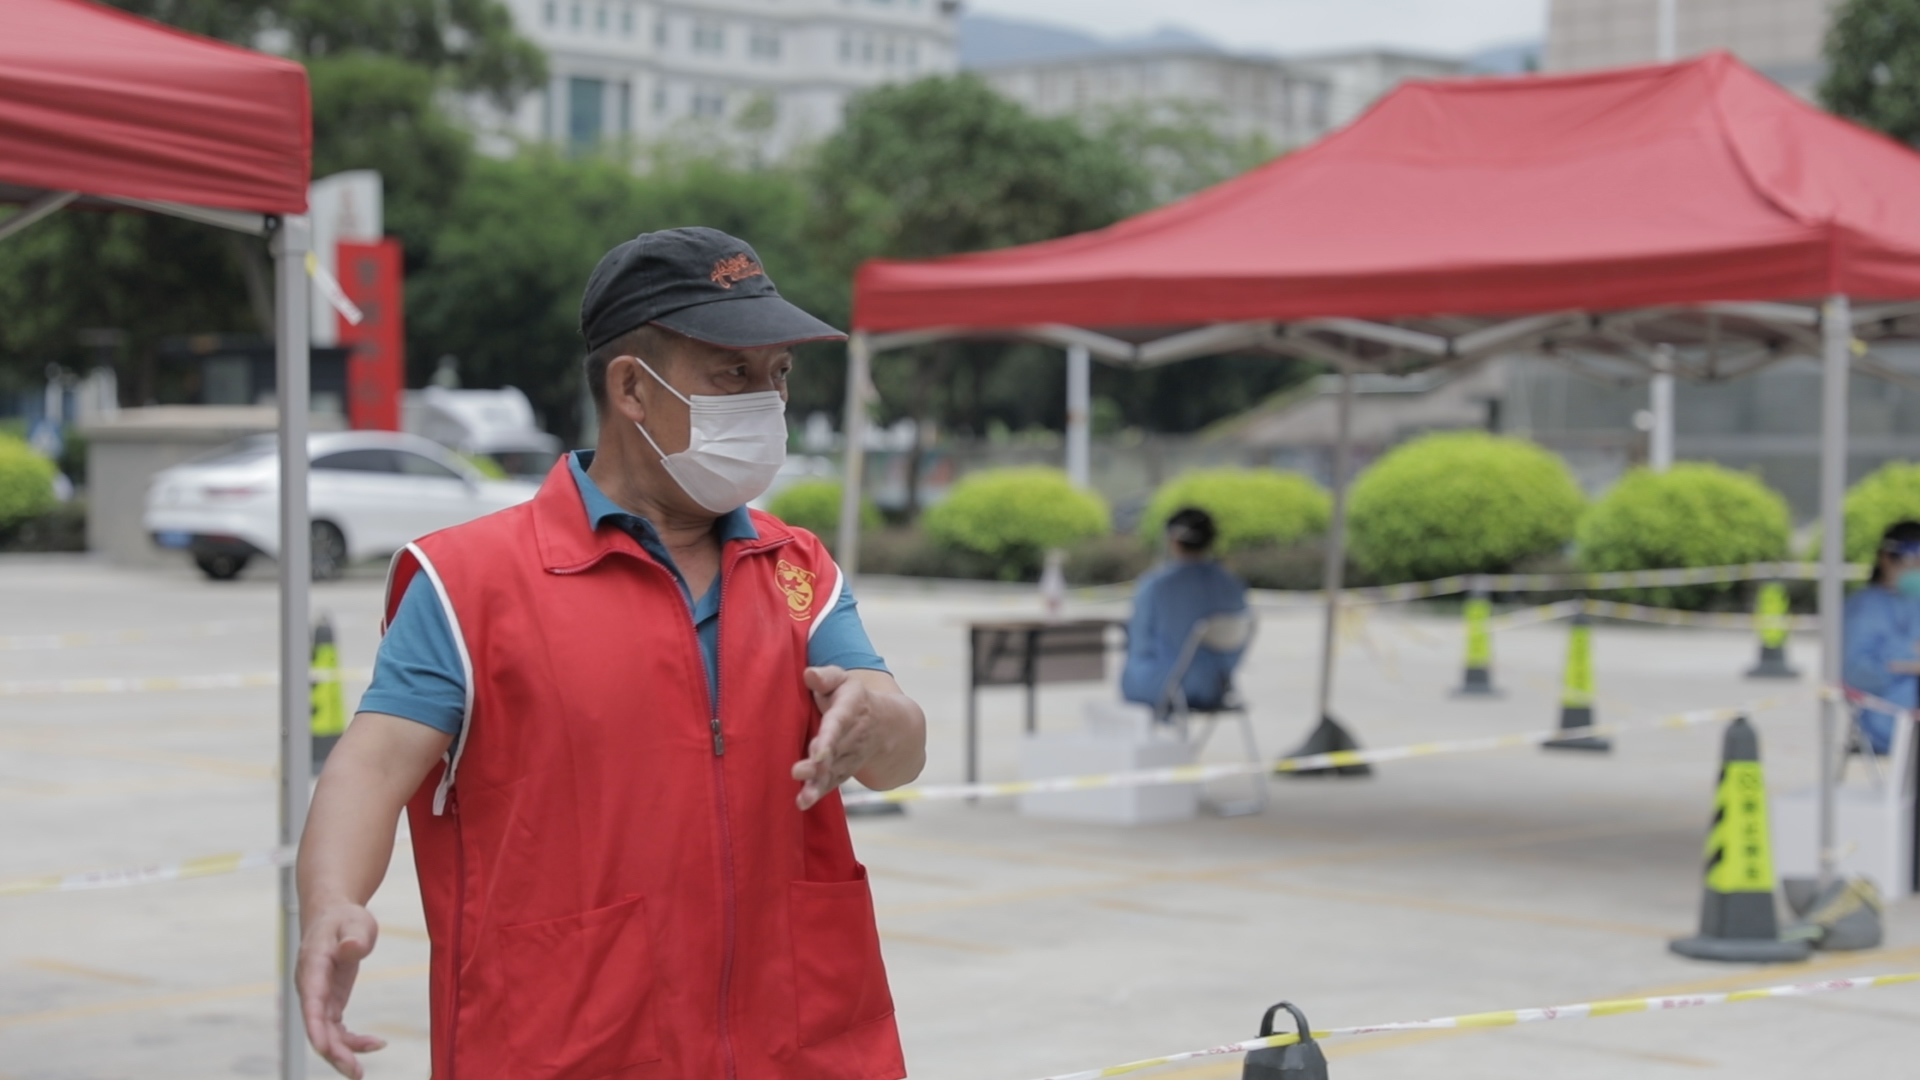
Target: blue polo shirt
[(1167, 604), (417, 673)]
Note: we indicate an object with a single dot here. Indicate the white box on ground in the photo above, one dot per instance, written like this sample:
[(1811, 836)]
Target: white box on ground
[(1874, 834), (1872, 828), (1118, 738)]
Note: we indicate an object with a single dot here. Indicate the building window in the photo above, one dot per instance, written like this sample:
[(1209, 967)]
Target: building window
[(586, 111), (764, 44), (866, 50), (626, 22), (913, 57), (600, 18), (660, 99), (550, 13), (573, 15), (710, 103), (846, 48), (887, 54), (660, 32), (709, 38)]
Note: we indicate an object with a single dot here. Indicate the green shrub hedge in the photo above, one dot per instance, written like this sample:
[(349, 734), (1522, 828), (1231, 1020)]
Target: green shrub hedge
[(814, 505), (1694, 514), (26, 482), (1888, 494), (1252, 507), (1460, 502), (1014, 515)]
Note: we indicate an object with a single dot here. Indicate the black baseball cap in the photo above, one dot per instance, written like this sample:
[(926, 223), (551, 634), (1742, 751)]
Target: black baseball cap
[(694, 281)]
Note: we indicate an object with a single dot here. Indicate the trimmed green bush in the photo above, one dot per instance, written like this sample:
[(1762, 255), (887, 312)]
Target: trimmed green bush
[(1694, 514), (814, 505), (1252, 507), (26, 482), (1014, 515), (1889, 494), (1460, 502)]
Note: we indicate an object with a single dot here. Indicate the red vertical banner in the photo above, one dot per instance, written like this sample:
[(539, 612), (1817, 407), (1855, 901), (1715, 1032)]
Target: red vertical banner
[(376, 372)]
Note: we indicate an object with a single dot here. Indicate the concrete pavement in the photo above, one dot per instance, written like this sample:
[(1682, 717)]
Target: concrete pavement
[(1016, 948)]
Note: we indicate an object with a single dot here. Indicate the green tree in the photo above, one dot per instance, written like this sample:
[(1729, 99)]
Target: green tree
[(1873, 66), (946, 165), (501, 289), (1181, 147)]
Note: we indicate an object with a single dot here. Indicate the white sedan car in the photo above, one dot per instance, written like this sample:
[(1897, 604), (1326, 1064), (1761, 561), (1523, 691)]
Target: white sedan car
[(370, 494)]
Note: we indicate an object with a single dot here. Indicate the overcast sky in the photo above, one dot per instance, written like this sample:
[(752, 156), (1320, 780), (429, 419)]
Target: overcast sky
[(1298, 26)]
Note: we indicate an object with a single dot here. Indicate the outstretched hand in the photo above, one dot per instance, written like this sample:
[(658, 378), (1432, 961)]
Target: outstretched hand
[(330, 953), (867, 727)]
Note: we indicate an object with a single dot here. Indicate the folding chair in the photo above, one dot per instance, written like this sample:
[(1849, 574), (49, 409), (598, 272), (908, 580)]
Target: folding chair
[(1228, 632)]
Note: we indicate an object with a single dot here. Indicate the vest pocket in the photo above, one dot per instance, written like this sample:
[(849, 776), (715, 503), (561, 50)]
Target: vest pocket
[(839, 980), (576, 991)]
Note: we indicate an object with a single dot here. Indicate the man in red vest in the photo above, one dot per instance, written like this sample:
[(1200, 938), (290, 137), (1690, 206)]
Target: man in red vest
[(617, 717)]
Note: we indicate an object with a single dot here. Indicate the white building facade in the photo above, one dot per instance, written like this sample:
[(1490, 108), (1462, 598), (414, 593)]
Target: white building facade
[(1781, 38), (1248, 95), (1360, 78), (775, 72)]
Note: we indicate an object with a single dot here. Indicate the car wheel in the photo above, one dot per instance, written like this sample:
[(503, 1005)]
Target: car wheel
[(222, 565), (329, 551)]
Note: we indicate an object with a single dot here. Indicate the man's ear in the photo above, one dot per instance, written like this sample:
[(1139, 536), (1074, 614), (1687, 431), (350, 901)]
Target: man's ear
[(626, 389)]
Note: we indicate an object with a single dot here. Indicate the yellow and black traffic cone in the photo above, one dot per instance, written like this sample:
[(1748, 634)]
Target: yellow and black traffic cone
[(1576, 691), (1478, 678), (328, 704), (1770, 607), (1737, 921)]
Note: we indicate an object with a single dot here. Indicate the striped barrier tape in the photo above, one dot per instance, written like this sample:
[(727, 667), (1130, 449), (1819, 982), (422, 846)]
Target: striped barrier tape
[(205, 866), (29, 687), (1860, 699), (1590, 1010), (1193, 774), (78, 640), (1609, 609)]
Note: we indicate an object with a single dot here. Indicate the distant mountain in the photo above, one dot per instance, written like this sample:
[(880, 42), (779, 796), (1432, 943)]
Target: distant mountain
[(988, 41), (1510, 59)]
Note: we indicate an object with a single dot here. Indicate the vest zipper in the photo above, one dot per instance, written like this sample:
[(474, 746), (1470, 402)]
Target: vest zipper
[(728, 914), (459, 920), (727, 901)]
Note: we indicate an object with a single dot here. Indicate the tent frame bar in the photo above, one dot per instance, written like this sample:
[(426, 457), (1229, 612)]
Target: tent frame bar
[(46, 204)]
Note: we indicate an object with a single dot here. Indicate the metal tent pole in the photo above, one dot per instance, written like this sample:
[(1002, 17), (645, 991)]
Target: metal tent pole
[(1836, 333), (1079, 410), (854, 430), (1660, 402), (1336, 564), (291, 242)]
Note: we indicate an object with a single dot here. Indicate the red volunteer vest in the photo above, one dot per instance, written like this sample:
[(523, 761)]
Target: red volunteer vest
[(617, 883)]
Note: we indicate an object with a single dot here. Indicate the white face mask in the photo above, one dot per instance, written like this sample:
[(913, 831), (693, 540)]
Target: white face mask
[(737, 442)]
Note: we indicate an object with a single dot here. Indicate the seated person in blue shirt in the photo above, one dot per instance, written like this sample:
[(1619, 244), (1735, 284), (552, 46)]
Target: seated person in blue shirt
[(1167, 604), (1882, 630)]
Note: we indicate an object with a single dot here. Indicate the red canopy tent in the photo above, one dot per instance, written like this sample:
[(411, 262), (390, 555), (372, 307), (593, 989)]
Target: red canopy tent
[(1621, 189), (1690, 219), (102, 109)]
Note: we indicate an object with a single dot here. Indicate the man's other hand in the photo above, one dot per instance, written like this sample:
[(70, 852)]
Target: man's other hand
[(335, 942), (869, 729)]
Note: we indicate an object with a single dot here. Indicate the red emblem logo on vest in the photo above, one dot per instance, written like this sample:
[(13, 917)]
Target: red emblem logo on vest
[(734, 269), (798, 585)]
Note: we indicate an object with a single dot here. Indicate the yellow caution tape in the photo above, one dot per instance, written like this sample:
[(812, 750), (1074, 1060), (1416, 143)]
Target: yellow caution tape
[(27, 687), (1193, 774), (21, 642), (330, 288), (1512, 1017), (206, 866)]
